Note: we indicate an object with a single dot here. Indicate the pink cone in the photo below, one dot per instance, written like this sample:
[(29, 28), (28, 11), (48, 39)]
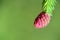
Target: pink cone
[(42, 20)]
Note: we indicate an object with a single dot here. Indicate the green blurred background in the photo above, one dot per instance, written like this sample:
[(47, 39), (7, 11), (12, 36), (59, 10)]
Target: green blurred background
[(17, 17)]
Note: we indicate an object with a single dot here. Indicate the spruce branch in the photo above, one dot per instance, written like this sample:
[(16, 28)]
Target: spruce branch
[(48, 6)]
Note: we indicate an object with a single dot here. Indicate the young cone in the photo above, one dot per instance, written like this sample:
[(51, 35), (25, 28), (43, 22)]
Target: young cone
[(42, 20)]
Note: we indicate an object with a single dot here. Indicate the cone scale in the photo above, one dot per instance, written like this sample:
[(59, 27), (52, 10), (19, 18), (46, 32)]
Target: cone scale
[(43, 19)]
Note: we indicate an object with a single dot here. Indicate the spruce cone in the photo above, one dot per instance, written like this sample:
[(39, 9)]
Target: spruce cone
[(42, 20)]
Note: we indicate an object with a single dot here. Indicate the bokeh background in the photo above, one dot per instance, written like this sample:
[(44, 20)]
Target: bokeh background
[(17, 17)]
